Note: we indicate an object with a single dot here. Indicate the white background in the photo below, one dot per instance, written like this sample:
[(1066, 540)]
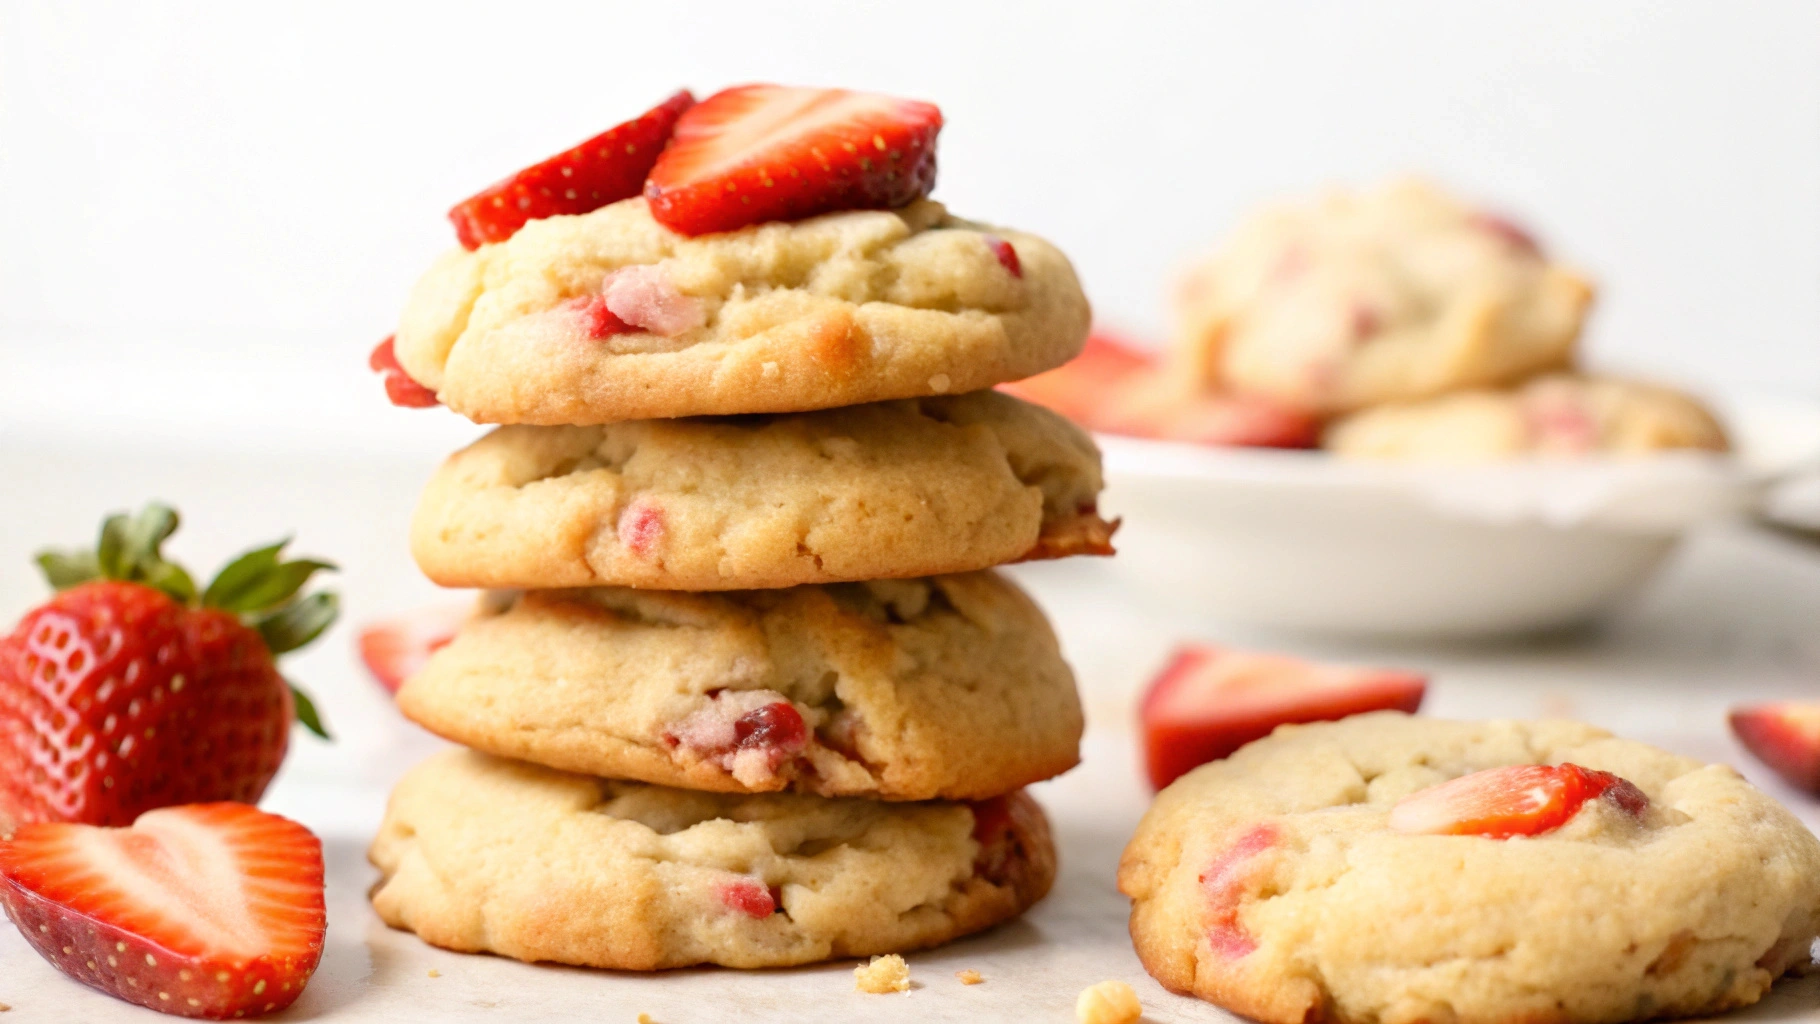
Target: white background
[(209, 212)]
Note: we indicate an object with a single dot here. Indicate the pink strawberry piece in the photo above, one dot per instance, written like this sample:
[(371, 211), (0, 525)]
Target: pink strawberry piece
[(597, 321), (760, 153), (1007, 256), (1509, 232), (1006, 829), (751, 733), (1208, 702), (641, 527), (206, 910), (1364, 321), (776, 727), (646, 298), (605, 169), (397, 648), (399, 387), (1786, 737), (1225, 883), (750, 897), (1518, 800)]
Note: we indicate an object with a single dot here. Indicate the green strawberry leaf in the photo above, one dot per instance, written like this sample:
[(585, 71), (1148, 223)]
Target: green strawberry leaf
[(297, 622), (307, 715), (241, 575), (172, 579), (145, 534), (110, 550), (66, 569)]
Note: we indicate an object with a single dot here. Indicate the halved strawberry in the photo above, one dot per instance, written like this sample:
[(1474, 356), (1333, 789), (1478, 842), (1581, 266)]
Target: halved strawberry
[(757, 153), (1518, 800), (1208, 702), (205, 910), (399, 387), (1078, 389), (396, 648), (605, 169), (1786, 737), (1219, 420)]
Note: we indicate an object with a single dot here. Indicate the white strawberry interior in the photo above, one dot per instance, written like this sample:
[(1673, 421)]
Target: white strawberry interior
[(645, 297), (167, 869), (1239, 682)]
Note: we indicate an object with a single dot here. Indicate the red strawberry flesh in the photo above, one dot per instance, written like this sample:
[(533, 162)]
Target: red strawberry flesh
[(1786, 737), (1517, 800), (1208, 702), (1225, 883), (1006, 255), (605, 169), (749, 896), (759, 153), (209, 910), (399, 387)]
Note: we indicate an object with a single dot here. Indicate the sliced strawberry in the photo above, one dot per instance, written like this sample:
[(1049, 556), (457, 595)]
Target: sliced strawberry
[(1786, 737), (1518, 800), (399, 387), (1209, 702), (1078, 389), (397, 648), (605, 169), (206, 910), (758, 153)]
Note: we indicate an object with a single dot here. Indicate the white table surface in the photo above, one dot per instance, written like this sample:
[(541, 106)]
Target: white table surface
[(1732, 620)]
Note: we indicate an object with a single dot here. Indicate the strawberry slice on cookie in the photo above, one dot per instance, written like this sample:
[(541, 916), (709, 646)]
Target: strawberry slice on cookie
[(1209, 701), (1520, 800), (605, 169), (133, 689), (208, 910), (758, 153)]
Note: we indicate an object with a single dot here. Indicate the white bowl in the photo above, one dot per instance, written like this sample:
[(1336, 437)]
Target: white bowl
[(1305, 541)]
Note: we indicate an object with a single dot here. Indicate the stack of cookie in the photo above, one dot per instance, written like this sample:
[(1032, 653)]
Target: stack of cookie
[(745, 690)]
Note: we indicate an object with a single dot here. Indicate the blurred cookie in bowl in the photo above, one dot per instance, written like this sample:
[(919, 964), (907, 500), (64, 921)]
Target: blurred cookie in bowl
[(1389, 294), (1559, 415)]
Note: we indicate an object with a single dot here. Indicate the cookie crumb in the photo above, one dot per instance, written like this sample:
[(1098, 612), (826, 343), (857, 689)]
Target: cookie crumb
[(434, 973), (5, 1008), (1109, 1002), (969, 977), (884, 974), (645, 1018)]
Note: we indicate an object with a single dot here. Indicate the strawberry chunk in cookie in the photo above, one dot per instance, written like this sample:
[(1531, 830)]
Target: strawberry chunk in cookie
[(750, 733)]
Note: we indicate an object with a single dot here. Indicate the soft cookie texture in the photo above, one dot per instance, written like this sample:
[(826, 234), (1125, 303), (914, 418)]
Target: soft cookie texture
[(1392, 294), (1270, 883), (1557, 415), (779, 317), (910, 488), (951, 687), (481, 854)]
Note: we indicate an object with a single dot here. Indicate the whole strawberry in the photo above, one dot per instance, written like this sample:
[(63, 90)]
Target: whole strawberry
[(129, 690)]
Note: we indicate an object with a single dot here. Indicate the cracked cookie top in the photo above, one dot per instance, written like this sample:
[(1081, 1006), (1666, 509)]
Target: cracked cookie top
[(895, 489), (482, 854), (1312, 874), (1389, 294), (951, 687), (609, 316)]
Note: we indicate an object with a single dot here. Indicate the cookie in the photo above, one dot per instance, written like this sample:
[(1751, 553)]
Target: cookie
[(911, 488), (1388, 295), (951, 687), (1557, 415), (1287, 883), (609, 316), (480, 854)]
